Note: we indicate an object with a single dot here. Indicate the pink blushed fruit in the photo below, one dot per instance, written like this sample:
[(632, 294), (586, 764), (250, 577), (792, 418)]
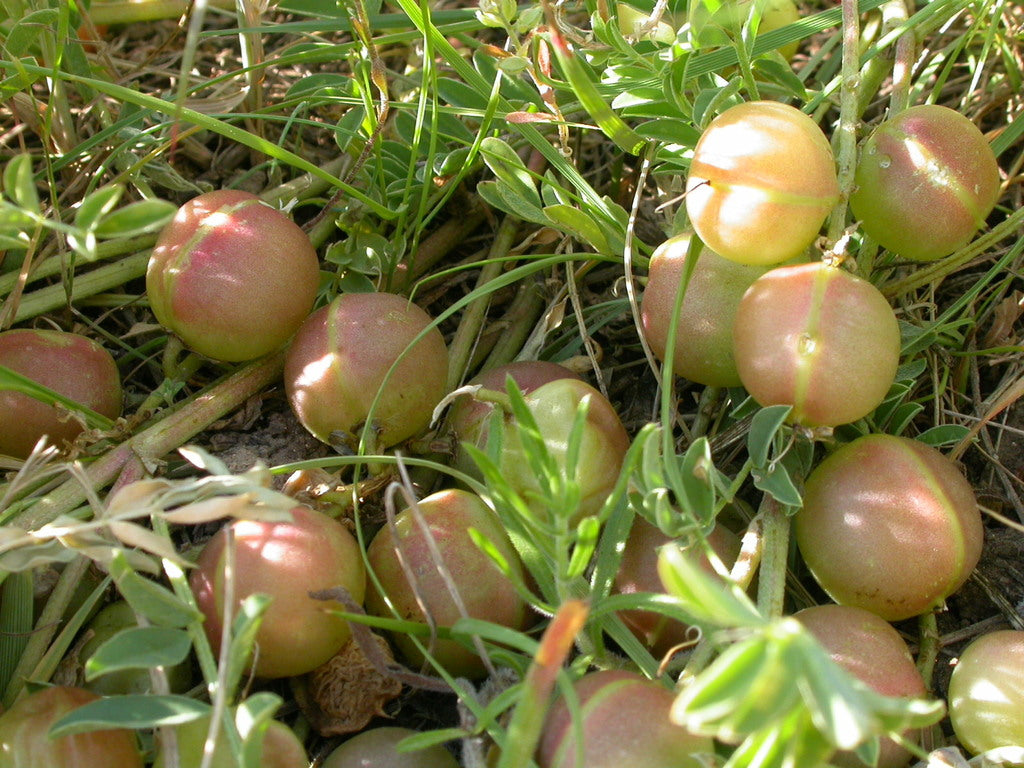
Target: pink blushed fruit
[(231, 276), (71, 365), (342, 357)]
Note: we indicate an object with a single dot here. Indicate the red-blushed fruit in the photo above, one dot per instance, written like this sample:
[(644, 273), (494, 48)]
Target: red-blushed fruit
[(703, 342), (761, 183), (926, 180), (279, 748), (986, 692), (469, 417), (286, 561), (602, 448), (625, 722), (375, 748), (871, 650), (484, 591), (638, 572), (25, 743), (71, 365), (819, 339), (231, 276), (341, 357), (889, 524)]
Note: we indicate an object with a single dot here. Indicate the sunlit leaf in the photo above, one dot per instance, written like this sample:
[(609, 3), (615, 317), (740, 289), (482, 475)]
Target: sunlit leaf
[(139, 648)]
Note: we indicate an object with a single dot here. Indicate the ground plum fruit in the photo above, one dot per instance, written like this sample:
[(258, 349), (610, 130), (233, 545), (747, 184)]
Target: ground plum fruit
[(340, 360), (870, 649), (469, 417), (71, 365), (703, 341), (890, 525), (638, 572), (231, 276), (986, 692), (926, 180), (761, 183), (287, 561), (819, 339), (485, 592), (375, 748), (279, 747), (25, 743), (625, 722), (602, 448)]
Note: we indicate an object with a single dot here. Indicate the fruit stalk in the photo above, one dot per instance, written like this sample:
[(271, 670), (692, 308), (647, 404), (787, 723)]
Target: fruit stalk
[(771, 585), (849, 113)]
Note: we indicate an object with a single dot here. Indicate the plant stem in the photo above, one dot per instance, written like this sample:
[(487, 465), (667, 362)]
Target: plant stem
[(849, 115), (161, 438), (928, 652), (771, 585), (461, 349)]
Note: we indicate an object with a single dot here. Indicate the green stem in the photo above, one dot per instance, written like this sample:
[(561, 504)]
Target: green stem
[(153, 443), (86, 284), (849, 115), (771, 584), (473, 316), (516, 325), (928, 652)]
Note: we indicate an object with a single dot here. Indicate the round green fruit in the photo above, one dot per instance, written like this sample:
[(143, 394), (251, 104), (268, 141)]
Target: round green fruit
[(343, 356), (110, 621), (761, 183), (890, 525), (25, 740), (286, 561), (625, 722), (602, 448), (279, 747), (870, 649), (469, 418), (721, 28), (231, 276), (986, 692), (703, 342), (819, 339), (71, 365), (484, 591), (925, 182), (376, 748)]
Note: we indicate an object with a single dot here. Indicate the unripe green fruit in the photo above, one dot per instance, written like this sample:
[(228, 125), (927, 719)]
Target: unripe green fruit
[(486, 593), (469, 418), (890, 525), (819, 339), (761, 183), (231, 276), (111, 620), (375, 748), (703, 342), (341, 358), (279, 747), (25, 743), (602, 449), (718, 29), (69, 364), (986, 692), (871, 650), (625, 722), (286, 561), (925, 183)]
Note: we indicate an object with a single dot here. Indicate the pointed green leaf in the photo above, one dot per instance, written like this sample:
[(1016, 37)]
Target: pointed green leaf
[(139, 648), (710, 600), (132, 711), (579, 225)]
